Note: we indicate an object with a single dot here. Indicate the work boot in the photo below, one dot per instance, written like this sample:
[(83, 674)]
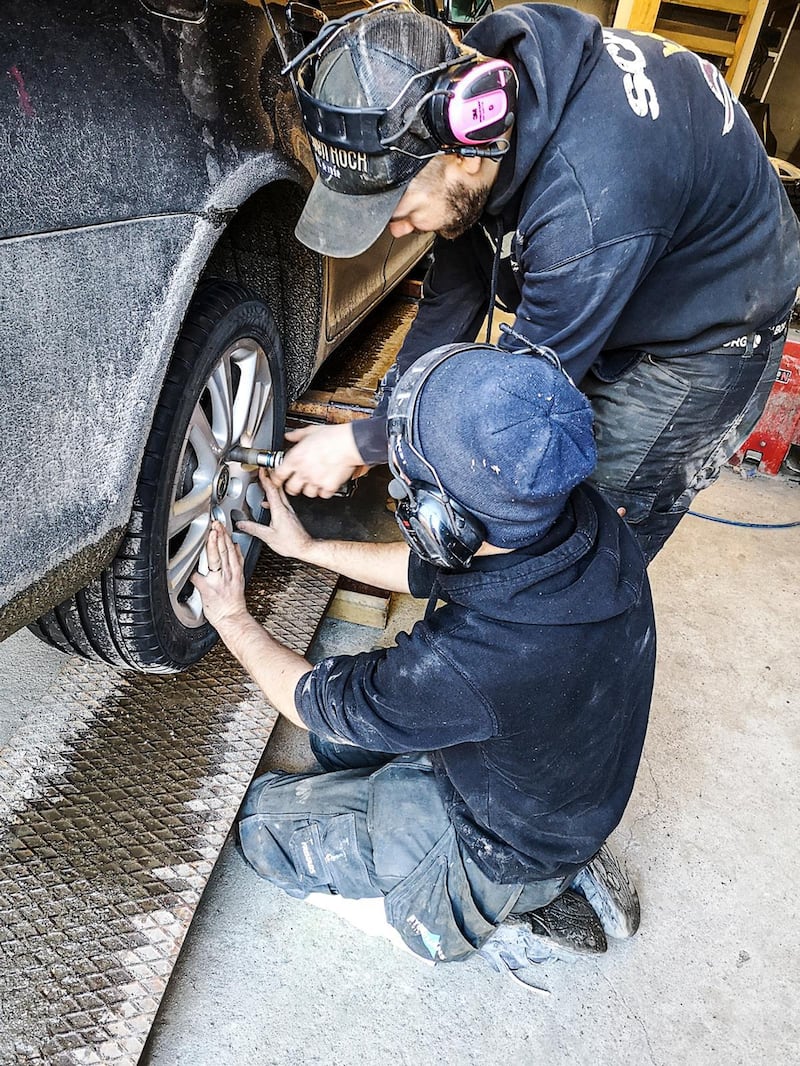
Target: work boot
[(570, 924), (566, 928), (607, 888)]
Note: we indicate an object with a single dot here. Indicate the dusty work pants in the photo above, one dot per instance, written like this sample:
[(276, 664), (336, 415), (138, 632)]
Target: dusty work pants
[(376, 831), (665, 427)]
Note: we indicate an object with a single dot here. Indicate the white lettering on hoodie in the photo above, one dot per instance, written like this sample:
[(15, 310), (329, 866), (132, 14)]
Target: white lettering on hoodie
[(639, 89)]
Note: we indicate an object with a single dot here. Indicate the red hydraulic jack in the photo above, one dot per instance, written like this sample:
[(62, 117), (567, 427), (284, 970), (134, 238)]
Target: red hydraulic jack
[(778, 429)]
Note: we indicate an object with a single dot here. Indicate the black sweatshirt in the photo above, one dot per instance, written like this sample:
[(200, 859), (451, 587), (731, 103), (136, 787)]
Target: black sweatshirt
[(531, 687), (636, 210)]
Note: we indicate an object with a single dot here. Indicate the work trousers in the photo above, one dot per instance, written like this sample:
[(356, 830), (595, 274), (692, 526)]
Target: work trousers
[(380, 830), (666, 426)]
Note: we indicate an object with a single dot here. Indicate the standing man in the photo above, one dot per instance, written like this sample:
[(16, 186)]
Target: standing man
[(477, 766), (611, 191)]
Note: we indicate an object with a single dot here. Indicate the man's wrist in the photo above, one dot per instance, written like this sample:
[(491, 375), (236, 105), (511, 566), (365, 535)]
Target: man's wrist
[(234, 624), (369, 439), (350, 446)]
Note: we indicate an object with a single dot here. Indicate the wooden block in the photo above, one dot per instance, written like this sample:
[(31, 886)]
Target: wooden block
[(411, 287), (363, 604), (359, 607), (339, 405)]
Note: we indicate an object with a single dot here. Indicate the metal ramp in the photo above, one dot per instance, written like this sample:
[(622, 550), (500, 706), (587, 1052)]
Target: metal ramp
[(116, 802), (116, 796)]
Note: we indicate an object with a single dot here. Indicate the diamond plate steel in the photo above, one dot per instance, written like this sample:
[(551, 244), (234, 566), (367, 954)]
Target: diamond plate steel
[(116, 797)]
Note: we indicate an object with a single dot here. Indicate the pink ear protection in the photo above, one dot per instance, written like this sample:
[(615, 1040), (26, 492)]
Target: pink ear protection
[(473, 102), (468, 110)]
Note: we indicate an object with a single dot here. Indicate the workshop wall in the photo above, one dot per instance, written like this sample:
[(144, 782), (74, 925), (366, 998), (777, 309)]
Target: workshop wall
[(783, 97), (602, 9)]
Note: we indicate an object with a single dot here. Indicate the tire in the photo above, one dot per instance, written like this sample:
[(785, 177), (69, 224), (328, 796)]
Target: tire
[(225, 386)]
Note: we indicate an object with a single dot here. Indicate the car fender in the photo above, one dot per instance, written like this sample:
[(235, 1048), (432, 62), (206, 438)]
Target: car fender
[(95, 367)]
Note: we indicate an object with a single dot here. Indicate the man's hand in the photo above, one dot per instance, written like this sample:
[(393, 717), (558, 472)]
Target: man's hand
[(384, 565), (322, 459), (222, 588), (284, 534), (275, 668)]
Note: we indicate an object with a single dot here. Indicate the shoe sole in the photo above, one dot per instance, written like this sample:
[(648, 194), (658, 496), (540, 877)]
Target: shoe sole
[(571, 923), (610, 893)]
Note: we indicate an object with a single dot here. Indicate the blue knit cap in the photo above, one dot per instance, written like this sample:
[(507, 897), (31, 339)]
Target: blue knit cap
[(509, 435)]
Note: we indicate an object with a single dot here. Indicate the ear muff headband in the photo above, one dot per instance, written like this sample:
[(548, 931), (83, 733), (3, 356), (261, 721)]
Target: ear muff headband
[(403, 401), (470, 104), (435, 525)]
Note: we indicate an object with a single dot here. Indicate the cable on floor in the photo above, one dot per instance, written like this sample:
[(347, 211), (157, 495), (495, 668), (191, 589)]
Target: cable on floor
[(744, 525)]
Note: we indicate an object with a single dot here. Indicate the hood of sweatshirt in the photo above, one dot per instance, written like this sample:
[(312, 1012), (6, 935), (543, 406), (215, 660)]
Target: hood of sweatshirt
[(592, 573), (553, 50)]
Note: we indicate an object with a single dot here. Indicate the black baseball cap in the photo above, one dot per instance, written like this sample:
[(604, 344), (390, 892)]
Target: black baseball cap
[(359, 92)]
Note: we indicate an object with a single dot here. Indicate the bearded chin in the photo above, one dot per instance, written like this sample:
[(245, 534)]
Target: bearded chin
[(466, 206)]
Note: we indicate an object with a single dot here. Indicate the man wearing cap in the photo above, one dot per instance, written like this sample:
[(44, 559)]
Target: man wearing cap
[(610, 191), (475, 769)]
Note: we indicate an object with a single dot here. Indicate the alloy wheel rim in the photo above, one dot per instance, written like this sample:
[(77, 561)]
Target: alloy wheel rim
[(235, 407)]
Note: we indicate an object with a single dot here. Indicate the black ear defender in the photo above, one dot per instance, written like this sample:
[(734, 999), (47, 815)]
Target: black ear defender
[(434, 524)]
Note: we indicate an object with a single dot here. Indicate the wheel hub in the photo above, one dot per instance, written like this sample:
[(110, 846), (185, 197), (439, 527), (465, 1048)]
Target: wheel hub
[(222, 482)]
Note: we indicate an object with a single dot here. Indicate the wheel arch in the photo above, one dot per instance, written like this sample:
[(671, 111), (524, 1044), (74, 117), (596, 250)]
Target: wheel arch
[(246, 235), (259, 250), (241, 235)]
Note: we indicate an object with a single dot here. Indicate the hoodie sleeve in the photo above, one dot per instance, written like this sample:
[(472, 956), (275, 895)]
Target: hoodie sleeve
[(392, 699), (455, 297), (455, 300), (573, 305)]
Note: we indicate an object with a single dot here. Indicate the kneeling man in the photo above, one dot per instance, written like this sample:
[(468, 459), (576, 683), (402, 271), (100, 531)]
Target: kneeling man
[(473, 771)]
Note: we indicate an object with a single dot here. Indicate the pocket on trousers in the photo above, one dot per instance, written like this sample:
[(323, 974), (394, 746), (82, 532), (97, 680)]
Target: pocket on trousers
[(326, 855), (630, 416), (346, 867), (638, 505), (433, 909), (308, 858), (406, 816), (266, 845)]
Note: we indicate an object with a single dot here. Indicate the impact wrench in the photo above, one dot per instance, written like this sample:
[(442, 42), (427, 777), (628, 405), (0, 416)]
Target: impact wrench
[(269, 460)]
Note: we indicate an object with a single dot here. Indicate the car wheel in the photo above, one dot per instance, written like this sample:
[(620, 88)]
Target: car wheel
[(225, 387)]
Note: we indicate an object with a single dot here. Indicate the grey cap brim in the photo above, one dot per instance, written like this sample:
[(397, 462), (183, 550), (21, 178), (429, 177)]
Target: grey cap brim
[(342, 225)]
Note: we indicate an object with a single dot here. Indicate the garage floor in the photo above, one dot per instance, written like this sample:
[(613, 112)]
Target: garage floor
[(711, 837)]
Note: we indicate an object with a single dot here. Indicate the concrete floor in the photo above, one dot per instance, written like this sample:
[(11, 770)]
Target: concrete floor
[(710, 835)]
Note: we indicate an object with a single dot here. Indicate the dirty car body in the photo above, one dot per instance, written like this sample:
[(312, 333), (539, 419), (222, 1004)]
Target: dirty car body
[(153, 165)]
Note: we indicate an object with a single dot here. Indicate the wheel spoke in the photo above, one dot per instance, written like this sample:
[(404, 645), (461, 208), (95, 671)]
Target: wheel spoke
[(260, 402), (183, 563), (253, 391), (220, 388), (202, 439), (196, 504)]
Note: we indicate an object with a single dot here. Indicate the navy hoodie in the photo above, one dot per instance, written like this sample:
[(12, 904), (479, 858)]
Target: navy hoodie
[(530, 685), (636, 209)]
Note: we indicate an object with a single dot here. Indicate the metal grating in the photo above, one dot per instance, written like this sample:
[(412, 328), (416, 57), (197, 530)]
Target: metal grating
[(115, 800)]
